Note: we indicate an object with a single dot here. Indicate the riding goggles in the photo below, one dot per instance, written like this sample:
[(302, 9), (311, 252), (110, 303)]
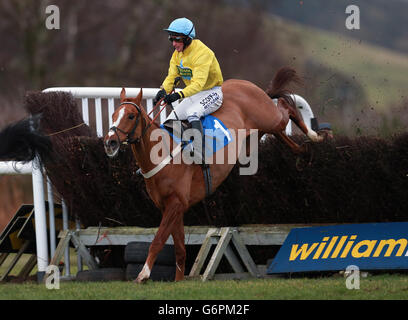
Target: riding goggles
[(176, 38)]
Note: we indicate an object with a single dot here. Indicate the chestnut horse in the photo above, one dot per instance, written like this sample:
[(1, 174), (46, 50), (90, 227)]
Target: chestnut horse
[(175, 186)]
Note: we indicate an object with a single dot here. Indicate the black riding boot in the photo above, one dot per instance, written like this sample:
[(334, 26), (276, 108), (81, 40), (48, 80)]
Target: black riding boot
[(198, 151)]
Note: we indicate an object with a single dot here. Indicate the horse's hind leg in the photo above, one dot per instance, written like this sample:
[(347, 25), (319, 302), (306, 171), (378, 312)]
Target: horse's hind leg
[(297, 119)]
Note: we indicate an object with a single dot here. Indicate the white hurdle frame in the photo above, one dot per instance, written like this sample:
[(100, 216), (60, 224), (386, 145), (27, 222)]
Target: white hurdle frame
[(33, 168)]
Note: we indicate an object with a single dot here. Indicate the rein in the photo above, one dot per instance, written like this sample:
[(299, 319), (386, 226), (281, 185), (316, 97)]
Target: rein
[(158, 104), (129, 135), (65, 130)]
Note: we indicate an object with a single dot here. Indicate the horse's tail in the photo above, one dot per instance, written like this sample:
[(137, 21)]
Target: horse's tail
[(277, 88), (22, 140)]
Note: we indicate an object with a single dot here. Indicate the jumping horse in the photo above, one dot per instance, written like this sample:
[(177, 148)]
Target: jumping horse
[(175, 186)]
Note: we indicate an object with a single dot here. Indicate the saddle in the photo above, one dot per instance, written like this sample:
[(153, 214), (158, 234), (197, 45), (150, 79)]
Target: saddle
[(217, 135), (176, 128)]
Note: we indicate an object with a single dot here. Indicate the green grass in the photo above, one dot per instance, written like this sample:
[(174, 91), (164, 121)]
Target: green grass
[(376, 287), (331, 288)]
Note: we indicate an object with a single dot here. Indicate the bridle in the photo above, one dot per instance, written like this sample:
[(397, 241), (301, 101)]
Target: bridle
[(129, 139), (129, 135)]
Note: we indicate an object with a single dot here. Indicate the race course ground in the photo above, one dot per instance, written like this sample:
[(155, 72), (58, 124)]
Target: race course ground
[(375, 287)]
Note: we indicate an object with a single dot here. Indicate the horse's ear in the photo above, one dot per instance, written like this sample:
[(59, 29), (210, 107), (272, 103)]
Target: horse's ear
[(139, 97), (123, 94)]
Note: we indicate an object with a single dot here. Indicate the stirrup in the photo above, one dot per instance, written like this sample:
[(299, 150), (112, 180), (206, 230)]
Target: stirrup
[(201, 157), (184, 144)]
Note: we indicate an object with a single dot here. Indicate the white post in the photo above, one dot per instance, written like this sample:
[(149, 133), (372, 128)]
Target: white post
[(51, 217), (40, 219), (65, 226), (149, 107), (98, 116), (85, 110), (79, 258), (111, 110), (163, 115)]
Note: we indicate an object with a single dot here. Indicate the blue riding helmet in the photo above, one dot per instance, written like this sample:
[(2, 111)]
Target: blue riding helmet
[(182, 26)]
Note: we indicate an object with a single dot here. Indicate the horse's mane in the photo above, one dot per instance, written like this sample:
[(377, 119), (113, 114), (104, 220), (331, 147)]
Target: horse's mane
[(55, 118), (20, 141)]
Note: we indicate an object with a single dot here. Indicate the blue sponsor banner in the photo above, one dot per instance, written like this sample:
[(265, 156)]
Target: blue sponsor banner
[(369, 246)]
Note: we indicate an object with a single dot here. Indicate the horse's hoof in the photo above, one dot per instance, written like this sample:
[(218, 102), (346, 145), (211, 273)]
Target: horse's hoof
[(314, 136), (179, 278), (140, 280), (325, 136)]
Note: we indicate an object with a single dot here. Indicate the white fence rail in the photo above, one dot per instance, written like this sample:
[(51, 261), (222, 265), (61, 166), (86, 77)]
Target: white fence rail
[(98, 94), (12, 167), (99, 97)]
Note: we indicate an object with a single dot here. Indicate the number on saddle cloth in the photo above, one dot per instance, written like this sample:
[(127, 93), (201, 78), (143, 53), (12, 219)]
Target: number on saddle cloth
[(217, 135)]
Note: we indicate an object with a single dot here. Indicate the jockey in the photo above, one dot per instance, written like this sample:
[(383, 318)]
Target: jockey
[(197, 65)]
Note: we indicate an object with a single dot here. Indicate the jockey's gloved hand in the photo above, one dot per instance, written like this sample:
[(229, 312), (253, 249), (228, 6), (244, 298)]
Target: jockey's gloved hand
[(172, 97), (160, 94)]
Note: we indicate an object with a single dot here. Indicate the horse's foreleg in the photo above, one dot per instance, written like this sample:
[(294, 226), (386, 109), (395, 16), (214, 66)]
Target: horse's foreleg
[(296, 118), (180, 248), (171, 215), (292, 144), (308, 131)]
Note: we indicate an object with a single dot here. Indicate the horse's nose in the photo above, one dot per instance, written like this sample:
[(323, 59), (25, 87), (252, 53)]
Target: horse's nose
[(112, 143), (111, 147)]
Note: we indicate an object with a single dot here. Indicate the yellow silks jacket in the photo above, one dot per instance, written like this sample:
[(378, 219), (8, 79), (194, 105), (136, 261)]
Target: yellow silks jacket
[(198, 67)]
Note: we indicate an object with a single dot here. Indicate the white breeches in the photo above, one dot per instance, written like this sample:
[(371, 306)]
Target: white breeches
[(199, 105)]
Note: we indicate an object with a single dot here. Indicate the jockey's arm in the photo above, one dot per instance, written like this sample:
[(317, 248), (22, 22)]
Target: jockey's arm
[(172, 74)]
